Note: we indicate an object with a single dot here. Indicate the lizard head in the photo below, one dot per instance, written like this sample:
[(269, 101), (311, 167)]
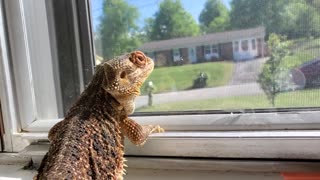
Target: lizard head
[(124, 76)]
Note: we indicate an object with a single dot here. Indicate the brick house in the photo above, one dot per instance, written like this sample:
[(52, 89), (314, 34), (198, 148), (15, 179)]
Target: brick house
[(234, 45)]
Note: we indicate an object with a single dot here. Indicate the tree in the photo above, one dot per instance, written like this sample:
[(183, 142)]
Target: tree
[(214, 17), (273, 78), (300, 19), (252, 13), (171, 21), (307, 20), (293, 18), (118, 31), (313, 3)]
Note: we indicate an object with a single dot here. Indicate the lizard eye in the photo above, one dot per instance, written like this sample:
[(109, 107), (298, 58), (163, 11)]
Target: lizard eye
[(123, 74)]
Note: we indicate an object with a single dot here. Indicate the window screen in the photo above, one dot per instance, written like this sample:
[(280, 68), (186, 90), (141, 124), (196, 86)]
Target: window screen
[(268, 57)]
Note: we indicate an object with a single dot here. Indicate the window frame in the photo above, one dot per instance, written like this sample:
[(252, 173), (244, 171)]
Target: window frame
[(18, 85), (200, 133)]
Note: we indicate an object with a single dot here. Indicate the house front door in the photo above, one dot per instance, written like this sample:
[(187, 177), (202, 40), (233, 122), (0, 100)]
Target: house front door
[(192, 55)]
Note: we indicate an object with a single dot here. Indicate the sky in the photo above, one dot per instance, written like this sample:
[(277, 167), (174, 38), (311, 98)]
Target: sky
[(147, 8)]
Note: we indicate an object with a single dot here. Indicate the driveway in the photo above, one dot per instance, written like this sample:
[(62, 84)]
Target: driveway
[(247, 71)]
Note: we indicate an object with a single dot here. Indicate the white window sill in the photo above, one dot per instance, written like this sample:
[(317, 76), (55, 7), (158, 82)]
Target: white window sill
[(290, 144)]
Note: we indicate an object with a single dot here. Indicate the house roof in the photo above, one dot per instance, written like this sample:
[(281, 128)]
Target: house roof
[(207, 39)]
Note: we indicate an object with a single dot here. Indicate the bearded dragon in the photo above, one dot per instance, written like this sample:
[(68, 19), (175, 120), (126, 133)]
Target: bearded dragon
[(89, 142)]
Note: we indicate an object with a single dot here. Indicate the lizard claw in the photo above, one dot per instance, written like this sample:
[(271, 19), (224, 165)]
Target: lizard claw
[(157, 129)]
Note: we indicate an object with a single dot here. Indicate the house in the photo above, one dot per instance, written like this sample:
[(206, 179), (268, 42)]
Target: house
[(234, 45)]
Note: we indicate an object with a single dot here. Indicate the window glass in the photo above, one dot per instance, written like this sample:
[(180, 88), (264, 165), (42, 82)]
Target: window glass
[(244, 45), (253, 44), (214, 49), (207, 50), (267, 51), (176, 55)]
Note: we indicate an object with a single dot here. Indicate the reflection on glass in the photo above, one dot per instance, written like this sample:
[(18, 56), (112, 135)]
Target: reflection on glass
[(217, 54)]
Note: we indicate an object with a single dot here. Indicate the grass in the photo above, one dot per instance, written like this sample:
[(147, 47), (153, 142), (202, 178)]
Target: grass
[(178, 78), (303, 98)]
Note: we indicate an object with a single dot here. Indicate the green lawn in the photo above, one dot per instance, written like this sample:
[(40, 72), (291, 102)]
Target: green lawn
[(181, 77), (303, 98)]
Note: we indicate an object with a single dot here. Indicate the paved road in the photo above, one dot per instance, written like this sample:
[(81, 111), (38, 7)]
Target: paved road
[(243, 83), (204, 93)]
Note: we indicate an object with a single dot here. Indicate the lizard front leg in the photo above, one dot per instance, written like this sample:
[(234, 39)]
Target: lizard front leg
[(136, 133)]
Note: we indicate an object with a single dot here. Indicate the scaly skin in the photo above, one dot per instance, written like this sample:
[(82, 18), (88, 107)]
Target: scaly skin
[(88, 143)]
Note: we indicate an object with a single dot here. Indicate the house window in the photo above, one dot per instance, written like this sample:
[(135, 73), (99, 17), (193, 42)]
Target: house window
[(253, 43), (176, 52), (214, 49), (207, 50), (211, 52), (244, 45), (236, 46), (176, 55)]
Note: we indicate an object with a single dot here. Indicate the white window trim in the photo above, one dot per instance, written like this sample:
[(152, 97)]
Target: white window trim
[(25, 39), (304, 120), (187, 135), (6, 88), (223, 136)]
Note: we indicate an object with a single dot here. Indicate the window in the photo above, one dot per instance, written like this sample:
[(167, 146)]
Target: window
[(214, 49), (202, 104), (244, 45), (207, 50), (176, 55), (211, 52), (192, 96), (46, 68), (253, 44)]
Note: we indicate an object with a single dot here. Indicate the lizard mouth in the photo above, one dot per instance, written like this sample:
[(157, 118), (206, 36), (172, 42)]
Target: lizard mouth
[(145, 66), (144, 75)]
